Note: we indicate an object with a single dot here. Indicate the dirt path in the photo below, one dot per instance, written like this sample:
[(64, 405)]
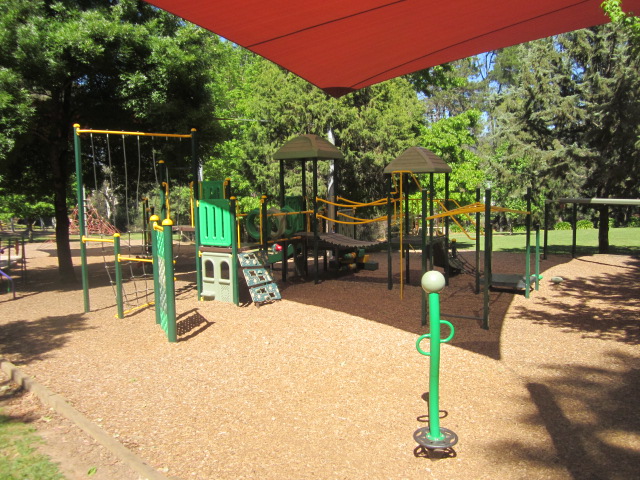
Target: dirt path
[(327, 382)]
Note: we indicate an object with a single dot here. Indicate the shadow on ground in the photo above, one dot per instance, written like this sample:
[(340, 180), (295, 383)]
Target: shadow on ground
[(24, 341), (592, 313), (592, 419)]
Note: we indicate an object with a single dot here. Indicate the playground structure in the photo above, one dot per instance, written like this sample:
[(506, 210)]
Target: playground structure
[(159, 232), (433, 436), (293, 231)]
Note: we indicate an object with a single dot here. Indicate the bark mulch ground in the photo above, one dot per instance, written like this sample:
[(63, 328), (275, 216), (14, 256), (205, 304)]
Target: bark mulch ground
[(327, 383)]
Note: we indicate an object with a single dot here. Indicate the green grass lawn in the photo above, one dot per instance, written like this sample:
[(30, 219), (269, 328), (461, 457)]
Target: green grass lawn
[(19, 458), (623, 241)]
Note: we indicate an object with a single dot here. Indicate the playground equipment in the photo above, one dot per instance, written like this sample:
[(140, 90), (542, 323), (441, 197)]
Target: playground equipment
[(434, 436), (161, 258), (415, 160), (510, 281), (7, 263)]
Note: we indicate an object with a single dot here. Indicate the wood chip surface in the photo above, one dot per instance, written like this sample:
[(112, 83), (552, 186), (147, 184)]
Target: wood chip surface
[(327, 383)]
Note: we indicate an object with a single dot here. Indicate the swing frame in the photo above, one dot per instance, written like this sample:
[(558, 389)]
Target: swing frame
[(166, 224)]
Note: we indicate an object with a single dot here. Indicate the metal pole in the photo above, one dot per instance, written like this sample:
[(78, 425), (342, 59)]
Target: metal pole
[(170, 288), (537, 257), (575, 230), (488, 246), (527, 274), (478, 243), (281, 177), (423, 241), (195, 173), (314, 220), (446, 229), (163, 197), (389, 210), (156, 276), (118, 273), (234, 253), (546, 230), (431, 198), (81, 224), (435, 436)]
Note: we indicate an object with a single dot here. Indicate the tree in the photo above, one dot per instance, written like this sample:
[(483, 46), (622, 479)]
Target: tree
[(371, 127), (566, 119), (118, 64)]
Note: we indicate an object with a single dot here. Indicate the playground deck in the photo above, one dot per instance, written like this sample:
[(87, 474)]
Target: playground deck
[(327, 383)]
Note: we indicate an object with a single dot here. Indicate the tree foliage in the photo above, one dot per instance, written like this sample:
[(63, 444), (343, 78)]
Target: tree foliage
[(118, 65), (566, 119)]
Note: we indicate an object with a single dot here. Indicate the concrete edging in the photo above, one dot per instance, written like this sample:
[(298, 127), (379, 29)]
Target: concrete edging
[(59, 404)]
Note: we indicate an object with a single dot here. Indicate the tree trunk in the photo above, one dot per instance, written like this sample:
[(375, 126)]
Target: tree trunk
[(603, 230), (65, 264)]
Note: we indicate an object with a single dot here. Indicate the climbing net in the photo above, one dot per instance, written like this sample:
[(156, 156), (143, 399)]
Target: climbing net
[(119, 194)]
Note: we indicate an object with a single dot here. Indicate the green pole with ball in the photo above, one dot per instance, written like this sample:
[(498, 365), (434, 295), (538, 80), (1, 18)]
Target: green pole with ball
[(434, 436)]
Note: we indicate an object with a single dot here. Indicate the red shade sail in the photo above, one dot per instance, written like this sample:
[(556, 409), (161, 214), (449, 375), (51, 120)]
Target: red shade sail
[(344, 45)]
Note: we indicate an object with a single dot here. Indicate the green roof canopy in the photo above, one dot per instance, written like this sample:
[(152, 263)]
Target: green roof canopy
[(418, 160), (308, 146)]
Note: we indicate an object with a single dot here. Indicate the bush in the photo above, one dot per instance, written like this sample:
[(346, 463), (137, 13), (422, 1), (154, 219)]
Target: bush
[(519, 229), (584, 224), (562, 226), (634, 222), (612, 223)]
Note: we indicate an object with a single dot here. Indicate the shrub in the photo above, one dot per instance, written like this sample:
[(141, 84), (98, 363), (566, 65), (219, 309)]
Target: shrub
[(612, 223), (584, 224), (634, 222), (562, 226), (519, 229)]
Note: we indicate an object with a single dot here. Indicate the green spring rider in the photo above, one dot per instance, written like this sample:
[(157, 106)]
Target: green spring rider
[(434, 436)]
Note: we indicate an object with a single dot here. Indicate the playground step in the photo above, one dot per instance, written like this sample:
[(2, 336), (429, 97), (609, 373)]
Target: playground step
[(262, 288), (256, 276)]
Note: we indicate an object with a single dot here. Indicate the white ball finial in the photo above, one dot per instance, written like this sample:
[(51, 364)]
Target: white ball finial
[(432, 282)]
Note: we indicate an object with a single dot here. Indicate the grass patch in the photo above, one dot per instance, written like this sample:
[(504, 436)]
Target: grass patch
[(19, 458), (622, 241)]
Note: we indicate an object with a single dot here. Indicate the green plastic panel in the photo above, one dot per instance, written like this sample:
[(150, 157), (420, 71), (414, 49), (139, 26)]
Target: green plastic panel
[(212, 190), (216, 223), (295, 223), (217, 276)]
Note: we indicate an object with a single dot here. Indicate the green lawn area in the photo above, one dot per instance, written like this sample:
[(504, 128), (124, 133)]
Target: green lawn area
[(19, 458), (623, 241)]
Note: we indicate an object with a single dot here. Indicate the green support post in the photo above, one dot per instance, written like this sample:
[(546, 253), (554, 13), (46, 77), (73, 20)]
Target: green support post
[(488, 247), (446, 229), (389, 210), (234, 253), (423, 240), (153, 220), (546, 230), (434, 437), (537, 257), (264, 222), (162, 174), (81, 224), (169, 281), (195, 173), (118, 273), (431, 223), (314, 220), (575, 230), (477, 244), (527, 271)]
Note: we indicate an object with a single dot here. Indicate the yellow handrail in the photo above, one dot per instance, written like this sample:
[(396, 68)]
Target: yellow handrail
[(99, 240), (122, 258), (139, 134)]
